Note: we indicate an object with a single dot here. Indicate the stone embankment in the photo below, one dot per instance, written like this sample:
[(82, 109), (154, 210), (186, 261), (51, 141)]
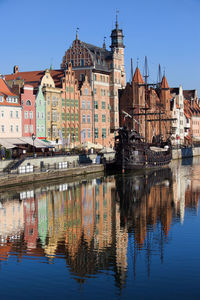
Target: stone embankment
[(49, 168), (34, 170)]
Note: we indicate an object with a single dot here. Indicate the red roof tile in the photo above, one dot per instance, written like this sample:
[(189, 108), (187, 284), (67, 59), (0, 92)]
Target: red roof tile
[(34, 77), (137, 78), (6, 91), (164, 83)]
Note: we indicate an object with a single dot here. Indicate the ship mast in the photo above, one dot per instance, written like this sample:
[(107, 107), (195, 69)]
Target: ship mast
[(146, 95)]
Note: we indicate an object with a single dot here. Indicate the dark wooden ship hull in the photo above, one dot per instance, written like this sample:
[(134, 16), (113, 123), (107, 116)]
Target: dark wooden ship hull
[(133, 153)]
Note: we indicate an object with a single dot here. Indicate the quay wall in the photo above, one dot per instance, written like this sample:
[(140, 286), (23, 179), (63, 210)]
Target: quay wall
[(10, 180)]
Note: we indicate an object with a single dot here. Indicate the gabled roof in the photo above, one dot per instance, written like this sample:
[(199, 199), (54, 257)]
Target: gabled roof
[(137, 77), (34, 77), (189, 94), (174, 90), (4, 89), (164, 83)]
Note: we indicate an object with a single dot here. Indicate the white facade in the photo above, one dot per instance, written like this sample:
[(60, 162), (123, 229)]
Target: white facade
[(10, 121)]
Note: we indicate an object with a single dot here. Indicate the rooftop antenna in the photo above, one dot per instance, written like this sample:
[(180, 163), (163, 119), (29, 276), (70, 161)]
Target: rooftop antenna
[(77, 30)]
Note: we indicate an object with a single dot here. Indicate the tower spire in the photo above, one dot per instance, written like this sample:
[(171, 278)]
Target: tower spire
[(104, 42), (77, 29), (116, 23)]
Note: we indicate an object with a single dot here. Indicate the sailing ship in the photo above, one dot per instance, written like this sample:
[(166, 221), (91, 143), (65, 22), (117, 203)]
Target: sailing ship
[(133, 151)]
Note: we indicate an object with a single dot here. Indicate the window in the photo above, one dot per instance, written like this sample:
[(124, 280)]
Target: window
[(96, 117), (76, 103), (95, 91), (88, 104), (103, 133), (72, 117), (63, 116), (76, 117), (48, 115), (54, 116), (28, 103), (26, 115), (89, 133), (31, 115), (82, 76), (96, 104), (2, 128), (103, 118), (26, 128), (95, 77), (67, 89), (42, 115), (54, 130), (67, 102), (17, 128), (96, 133), (77, 134), (72, 89), (1, 99), (86, 91), (17, 114), (88, 118), (2, 114), (31, 128), (72, 102), (83, 119), (48, 100), (49, 132), (54, 101), (103, 104), (68, 117), (83, 103), (11, 114), (63, 102)]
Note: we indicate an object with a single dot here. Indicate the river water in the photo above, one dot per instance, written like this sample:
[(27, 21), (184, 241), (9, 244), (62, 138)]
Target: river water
[(112, 237)]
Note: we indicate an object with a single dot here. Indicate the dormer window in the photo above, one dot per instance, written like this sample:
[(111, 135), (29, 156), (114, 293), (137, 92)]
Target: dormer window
[(1, 99), (11, 99)]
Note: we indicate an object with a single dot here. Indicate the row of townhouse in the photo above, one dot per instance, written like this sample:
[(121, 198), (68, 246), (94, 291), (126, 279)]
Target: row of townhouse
[(78, 102), (186, 110)]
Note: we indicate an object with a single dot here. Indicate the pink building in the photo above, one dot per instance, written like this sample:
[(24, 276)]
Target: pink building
[(28, 110)]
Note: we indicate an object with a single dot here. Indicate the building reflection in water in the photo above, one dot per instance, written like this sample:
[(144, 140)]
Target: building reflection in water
[(88, 223)]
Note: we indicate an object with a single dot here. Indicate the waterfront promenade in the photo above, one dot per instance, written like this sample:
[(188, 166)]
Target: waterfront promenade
[(32, 170)]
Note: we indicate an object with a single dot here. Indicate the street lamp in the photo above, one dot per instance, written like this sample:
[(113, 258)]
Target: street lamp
[(33, 138), (103, 140)]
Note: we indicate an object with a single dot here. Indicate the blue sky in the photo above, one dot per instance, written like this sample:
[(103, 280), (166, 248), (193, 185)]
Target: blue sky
[(36, 33)]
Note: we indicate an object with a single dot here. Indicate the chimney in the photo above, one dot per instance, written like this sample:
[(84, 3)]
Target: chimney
[(15, 69)]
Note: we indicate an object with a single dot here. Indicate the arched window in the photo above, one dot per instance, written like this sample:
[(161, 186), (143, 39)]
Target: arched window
[(28, 103)]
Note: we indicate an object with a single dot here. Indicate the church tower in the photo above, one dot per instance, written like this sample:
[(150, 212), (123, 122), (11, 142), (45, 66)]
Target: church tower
[(118, 77)]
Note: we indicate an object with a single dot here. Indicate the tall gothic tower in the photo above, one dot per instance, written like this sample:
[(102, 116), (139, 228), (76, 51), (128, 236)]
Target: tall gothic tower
[(118, 79)]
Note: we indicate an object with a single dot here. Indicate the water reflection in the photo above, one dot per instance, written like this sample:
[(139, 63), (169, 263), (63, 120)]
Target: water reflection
[(90, 224)]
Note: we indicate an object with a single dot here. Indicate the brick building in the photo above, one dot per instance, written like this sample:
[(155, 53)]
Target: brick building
[(106, 74), (132, 101)]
